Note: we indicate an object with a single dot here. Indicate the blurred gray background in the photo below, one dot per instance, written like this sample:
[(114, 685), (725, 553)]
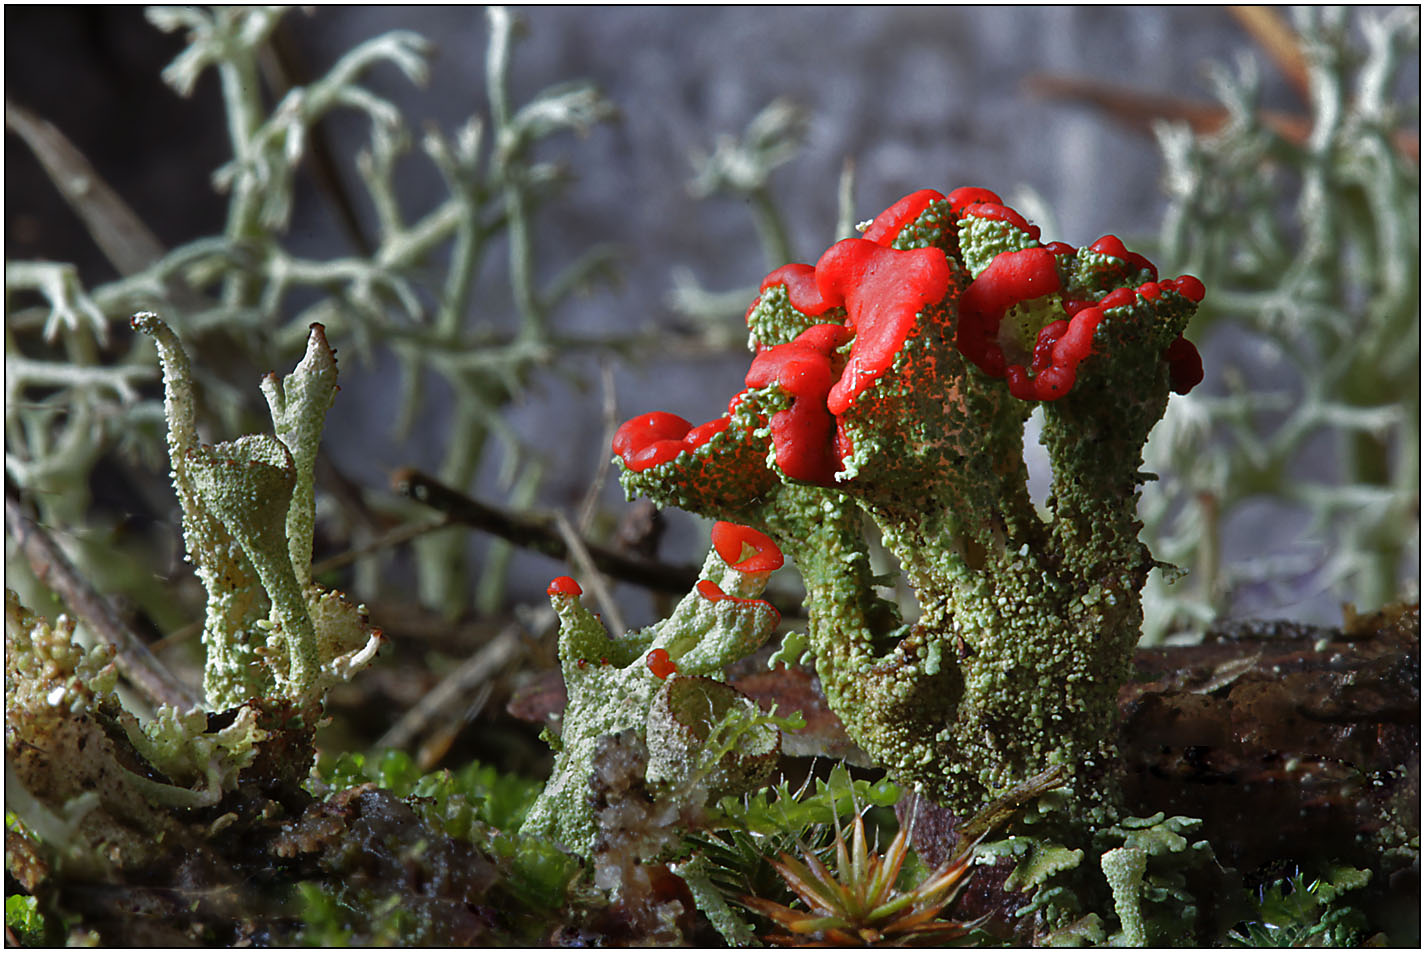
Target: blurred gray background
[(917, 97)]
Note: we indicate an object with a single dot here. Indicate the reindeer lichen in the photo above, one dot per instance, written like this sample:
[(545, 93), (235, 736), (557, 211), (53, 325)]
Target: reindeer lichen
[(1312, 246)]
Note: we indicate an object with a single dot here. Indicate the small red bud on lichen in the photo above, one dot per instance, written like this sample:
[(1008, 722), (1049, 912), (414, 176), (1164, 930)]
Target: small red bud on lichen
[(659, 664), (650, 439), (1189, 287), (802, 433), (801, 284), (994, 210), (1185, 365), (564, 586), (745, 549)]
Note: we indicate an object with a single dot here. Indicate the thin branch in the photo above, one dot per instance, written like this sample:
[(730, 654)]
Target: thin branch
[(385, 541), (1139, 111), (608, 414), (592, 577), (1279, 42), (121, 235), (477, 669), (538, 534), (134, 658), (541, 535)]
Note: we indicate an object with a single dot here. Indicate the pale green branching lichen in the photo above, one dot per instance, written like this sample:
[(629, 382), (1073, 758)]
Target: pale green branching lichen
[(1312, 247), (413, 290)]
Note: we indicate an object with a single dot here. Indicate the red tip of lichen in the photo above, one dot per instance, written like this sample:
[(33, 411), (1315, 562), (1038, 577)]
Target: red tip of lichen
[(886, 226), (883, 289), (745, 549), (1189, 287), (1185, 365), (802, 433), (801, 284), (994, 210), (970, 195), (710, 591), (659, 664), (1118, 298), (1010, 278), (564, 586), (650, 439), (713, 593), (1110, 245)]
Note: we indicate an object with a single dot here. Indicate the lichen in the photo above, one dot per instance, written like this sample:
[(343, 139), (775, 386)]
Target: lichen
[(895, 381), (248, 516), (665, 683)]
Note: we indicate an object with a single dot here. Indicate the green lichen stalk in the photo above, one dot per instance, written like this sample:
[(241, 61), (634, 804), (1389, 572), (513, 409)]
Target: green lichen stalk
[(664, 682), (248, 516), (894, 379)]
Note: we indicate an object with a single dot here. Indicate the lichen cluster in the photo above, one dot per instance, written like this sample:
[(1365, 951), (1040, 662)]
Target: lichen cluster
[(665, 683), (893, 379)]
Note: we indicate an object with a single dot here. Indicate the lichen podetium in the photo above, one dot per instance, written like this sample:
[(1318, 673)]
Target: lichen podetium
[(894, 378)]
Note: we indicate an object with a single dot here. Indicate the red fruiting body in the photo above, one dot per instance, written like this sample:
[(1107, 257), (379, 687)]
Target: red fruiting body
[(1139, 261), (733, 541), (1118, 298), (882, 289), (994, 210), (713, 593), (970, 195), (885, 227), (710, 591), (659, 664), (1010, 278), (564, 586), (1188, 286), (657, 438), (802, 434), (1185, 365), (1111, 246), (650, 439), (801, 283)]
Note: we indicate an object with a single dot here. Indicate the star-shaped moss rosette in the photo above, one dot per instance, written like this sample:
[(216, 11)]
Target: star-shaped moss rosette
[(894, 377), (665, 682)]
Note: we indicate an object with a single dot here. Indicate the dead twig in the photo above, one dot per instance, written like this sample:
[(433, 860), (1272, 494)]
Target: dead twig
[(479, 668), (592, 577), (1279, 42), (537, 533), (133, 657), (1139, 111), (541, 535)]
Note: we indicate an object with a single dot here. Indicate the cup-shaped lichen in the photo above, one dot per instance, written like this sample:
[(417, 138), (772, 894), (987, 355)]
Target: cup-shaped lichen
[(894, 378)]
